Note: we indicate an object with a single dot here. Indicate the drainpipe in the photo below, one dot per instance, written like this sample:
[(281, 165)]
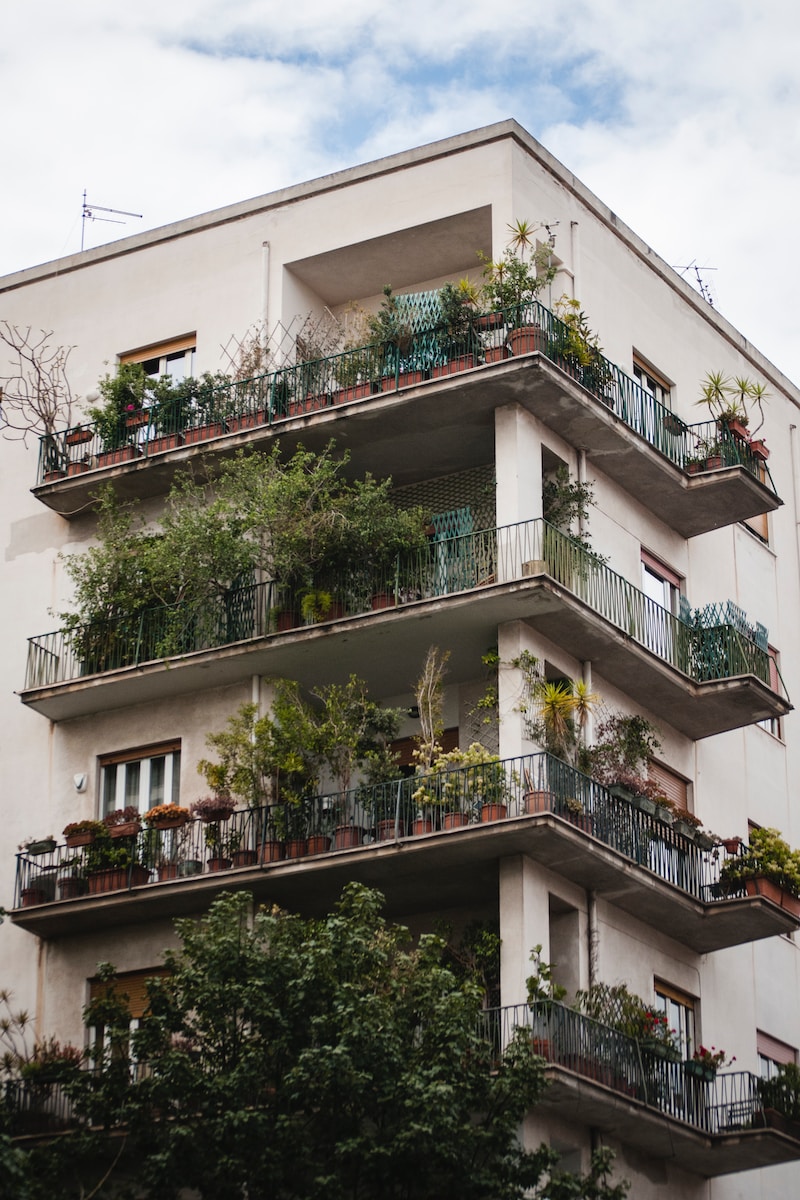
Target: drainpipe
[(594, 937), (264, 293)]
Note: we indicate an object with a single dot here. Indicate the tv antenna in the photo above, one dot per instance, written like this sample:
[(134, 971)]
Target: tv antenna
[(702, 286), (89, 210)]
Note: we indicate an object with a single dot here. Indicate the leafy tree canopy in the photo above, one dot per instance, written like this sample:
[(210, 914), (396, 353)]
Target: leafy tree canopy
[(302, 1059)]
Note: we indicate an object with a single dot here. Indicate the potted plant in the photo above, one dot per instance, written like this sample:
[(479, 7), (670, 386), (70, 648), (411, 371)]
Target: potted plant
[(167, 816), (82, 833), (113, 867), (455, 336), (123, 822), (619, 759), (512, 284), (705, 1062), (392, 341), (37, 846), (780, 1097), (766, 867)]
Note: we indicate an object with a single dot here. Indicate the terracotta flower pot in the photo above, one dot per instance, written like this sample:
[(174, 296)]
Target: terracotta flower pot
[(493, 812)]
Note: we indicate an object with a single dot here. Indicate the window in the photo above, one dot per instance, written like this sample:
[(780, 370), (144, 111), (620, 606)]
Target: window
[(132, 984), (140, 778), (660, 583), (655, 385), (670, 784), (772, 1053), (773, 724), (175, 358), (678, 1008)]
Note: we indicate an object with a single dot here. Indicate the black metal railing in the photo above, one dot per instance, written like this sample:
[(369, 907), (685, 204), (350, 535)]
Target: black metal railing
[(435, 802), (306, 387), (713, 1104)]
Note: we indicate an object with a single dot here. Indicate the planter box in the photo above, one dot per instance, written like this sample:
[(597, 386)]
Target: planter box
[(319, 843), (136, 419), (759, 449), (126, 829), (404, 379), (248, 421), (168, 871), (201, 433), (270, 852), (164, 441), (170, 822), (356, 391), (760, 886), (110, 458), (77, 437), (493, 812), (115, 879), (52, 476), (464, 362), (44, 846), (384, 830), (422, 825), (494, 354), (79, 839), (78, 468)]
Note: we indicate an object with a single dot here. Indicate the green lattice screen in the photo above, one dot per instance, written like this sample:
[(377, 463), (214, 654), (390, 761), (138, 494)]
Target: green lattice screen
[(474, 489)]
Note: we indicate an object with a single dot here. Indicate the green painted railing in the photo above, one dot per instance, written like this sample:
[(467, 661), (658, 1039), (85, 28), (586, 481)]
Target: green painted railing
[(449, 565), (308, 387)]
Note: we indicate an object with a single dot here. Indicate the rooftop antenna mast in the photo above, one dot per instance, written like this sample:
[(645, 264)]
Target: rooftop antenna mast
[(89, 210), (702, 287)]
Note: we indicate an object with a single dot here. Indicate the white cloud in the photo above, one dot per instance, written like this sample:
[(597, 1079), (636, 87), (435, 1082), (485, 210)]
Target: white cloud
[(682, 117)]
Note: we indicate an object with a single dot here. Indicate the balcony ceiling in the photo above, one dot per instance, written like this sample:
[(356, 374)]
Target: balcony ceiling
[(447, 425), (633, 1123), (433, 250), (433, 873), (385, 648)]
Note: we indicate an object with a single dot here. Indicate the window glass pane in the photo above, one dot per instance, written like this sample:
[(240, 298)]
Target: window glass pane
[(176, 777), (175, 366), (109, 788), (157, 770), (132, 777), (152, 367)]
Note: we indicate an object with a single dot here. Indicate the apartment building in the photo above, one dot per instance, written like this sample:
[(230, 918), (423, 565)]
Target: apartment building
[(681, 613)]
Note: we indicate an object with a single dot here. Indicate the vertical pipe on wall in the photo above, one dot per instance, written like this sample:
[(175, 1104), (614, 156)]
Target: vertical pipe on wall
[(594, 937), (265, 293)]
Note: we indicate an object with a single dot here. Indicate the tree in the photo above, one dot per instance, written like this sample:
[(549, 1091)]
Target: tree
[(36, 395), (298, 1059)]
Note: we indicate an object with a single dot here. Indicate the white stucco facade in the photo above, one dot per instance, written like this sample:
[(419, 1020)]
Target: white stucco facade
[(415, 221)]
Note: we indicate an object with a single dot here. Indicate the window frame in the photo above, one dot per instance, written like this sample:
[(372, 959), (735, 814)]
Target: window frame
[(651, 381), (686, 1005), (169, 792), (178, 349)]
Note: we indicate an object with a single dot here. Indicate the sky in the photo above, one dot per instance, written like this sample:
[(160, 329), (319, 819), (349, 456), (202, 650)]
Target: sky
[(682, 117)]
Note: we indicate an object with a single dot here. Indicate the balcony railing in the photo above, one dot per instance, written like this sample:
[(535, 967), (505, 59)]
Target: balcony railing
[(716, 1105), (308, 387), (449, 565), (459, 798)]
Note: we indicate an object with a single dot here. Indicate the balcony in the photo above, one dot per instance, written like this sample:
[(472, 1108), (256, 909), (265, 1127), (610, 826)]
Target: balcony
[(430, 842), (430, 413), (618, 1085), (701, 678)]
